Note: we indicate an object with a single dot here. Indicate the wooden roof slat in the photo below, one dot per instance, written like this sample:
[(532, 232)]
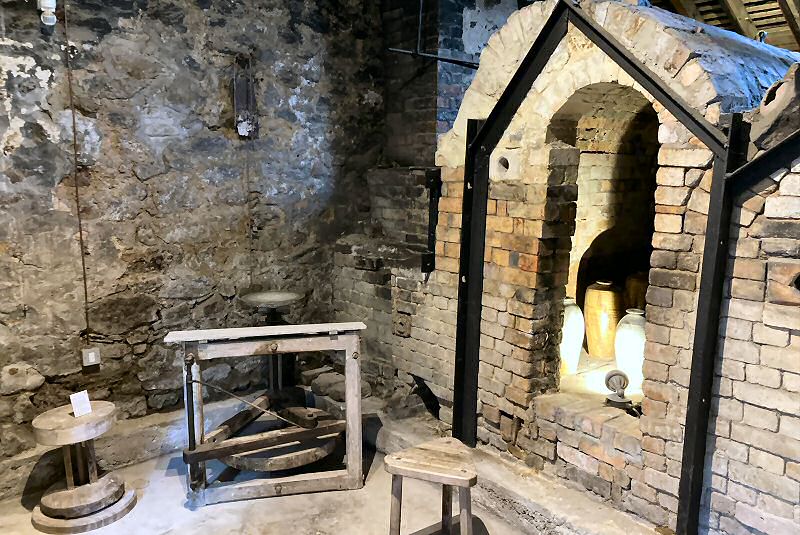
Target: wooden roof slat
[(791, 10)]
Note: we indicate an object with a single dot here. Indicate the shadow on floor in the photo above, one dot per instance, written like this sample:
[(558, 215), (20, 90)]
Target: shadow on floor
[(478, 528)]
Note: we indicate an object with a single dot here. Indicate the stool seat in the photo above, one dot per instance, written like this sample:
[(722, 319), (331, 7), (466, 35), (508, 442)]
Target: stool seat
[(59, 427), (444, 460)]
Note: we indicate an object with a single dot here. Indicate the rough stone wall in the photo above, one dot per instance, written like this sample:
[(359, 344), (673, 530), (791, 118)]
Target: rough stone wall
[(464, 29), (164, 181)]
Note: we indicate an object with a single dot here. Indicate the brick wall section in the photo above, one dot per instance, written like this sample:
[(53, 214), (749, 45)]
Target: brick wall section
[(377, 278), (755, 452), (399, 205), (410, 84), (530, 225)]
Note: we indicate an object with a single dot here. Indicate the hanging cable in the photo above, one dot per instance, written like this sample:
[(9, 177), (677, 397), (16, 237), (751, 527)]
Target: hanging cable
[(247, 156), (234, 396), (75, 177)]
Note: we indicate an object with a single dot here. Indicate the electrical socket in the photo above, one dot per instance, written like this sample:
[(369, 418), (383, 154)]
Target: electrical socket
[(91, 356)]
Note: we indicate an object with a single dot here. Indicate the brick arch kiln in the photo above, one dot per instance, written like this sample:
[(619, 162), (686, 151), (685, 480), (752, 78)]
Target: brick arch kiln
[(578, 111), (530, 230)]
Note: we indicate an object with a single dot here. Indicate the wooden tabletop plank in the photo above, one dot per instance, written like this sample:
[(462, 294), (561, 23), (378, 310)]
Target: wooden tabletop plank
[(444, 460), (273, 331)]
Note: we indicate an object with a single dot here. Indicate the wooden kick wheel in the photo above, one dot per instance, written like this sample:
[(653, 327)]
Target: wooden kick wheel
[(86, 500)]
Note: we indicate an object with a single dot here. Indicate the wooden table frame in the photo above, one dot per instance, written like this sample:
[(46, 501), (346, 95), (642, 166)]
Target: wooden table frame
[(204, 345)]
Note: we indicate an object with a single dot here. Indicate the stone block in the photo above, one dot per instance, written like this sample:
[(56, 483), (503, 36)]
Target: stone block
[(783, 286), (684, 157), (757, 478), (749, 268), (782, 207), (762, 375), (673, 279), (758, 519), (654, 513), (669, 223), (589, 481), (766, 461), (790, 426), (769, 336), (752, 290), (602, 452), (769, 398), (782, 316), (661, 481), (672, 195), (786, 447), (573, 456), (20, 377)]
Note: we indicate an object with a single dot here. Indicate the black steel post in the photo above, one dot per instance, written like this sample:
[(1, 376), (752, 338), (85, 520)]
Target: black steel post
[(706, 330), (465, 395)]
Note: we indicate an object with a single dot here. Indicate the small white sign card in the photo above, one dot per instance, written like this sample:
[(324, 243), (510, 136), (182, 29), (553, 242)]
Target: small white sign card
[(81, 406)]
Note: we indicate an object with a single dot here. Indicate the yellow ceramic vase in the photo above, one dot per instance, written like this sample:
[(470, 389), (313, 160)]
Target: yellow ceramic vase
[(603, 307)]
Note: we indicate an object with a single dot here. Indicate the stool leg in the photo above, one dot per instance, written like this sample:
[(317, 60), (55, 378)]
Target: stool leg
[(397, 504), (91, 460), (447, 509), (80, 461), (465, 501), (66, 451)]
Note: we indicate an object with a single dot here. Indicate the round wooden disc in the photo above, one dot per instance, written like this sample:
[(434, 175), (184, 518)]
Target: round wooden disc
[(60, 502), (284, 457), (58, 427), (83, 524)]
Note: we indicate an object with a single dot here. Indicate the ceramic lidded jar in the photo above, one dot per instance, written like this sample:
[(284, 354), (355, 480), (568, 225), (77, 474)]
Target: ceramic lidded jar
[(572, 333), (603, 307), (629, 346)]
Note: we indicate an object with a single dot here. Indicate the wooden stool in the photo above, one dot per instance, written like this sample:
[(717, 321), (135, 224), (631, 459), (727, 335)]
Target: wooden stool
[(445, 461), (86, 501)]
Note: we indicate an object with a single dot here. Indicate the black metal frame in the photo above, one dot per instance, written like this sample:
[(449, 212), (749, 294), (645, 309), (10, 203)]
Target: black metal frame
[(706, 333), (729, 153)]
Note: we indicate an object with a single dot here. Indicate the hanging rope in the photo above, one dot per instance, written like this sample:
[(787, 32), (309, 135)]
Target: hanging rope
[(246, 175), (75, 177), (234, 396)]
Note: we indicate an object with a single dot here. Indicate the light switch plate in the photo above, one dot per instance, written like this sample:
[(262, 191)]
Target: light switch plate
[(91, 356)]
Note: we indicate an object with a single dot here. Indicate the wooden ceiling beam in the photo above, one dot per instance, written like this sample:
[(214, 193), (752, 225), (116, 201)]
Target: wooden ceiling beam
[(687, 8), (740, 17), (791, 10)]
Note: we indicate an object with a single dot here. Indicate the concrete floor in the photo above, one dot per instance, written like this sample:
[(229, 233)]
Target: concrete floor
[(161, 509)]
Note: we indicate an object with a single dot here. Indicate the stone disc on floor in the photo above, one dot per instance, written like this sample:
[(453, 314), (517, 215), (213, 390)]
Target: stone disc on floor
[(285, 456), (60, 502), (83, 524)]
